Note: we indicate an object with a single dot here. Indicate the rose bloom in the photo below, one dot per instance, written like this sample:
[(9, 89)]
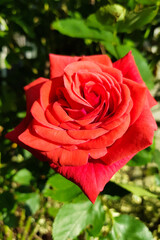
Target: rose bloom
[(88, 120)]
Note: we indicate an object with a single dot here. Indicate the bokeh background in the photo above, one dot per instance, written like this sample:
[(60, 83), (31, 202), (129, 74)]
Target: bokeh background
[(29, 31)]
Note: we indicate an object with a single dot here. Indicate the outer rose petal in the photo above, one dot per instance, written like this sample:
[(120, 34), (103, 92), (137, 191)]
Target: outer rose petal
[(139, 136), (93, 176), (138, 94), (32, 91), (58, 63), (68, 157), (130, 70), (101, 59)]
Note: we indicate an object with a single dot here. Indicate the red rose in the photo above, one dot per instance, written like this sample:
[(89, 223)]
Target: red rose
[(89, 119)]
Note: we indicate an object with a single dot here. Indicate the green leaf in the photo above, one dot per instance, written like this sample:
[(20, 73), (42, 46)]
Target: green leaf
[(73, 218), (92, 21), (141, 62), (156, 158), (111, 48), (78, 28), (52, 211), (63, 189), (136, 20), (128, 228), (7, 201), (22, 24), (33, 203), (11, 220), (23, 177), (142, 158), (147, 2), (157, 179), (139, 191), (32, 200)]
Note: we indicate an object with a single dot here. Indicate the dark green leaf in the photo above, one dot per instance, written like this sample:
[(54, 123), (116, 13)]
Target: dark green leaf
[(6, 201), (23, 177), (11, 220), (73, 218), (128, 228), (23, 25)]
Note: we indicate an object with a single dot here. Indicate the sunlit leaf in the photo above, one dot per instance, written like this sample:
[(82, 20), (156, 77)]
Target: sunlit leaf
[(23, 177), (63, 189), (78, 28), (73, 218), (128, 228), (156, 158), (32, 200), (139, 191)]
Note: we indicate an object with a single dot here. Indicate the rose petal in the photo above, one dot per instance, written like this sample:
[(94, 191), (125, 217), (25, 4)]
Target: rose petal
[(108, 138), (29, 138), (39, 116), (74, 158), (114, 73), (138, 95), (56, 136), (32, 91), (65, 157), (69, 125), (101, 59), (87, 134), (13, 135), (123, 106), (93, 176), (59, 113), (117, 122), (58, 63), (130, 70), (45, 94), (139, 136), (51, 119), (97, 153)]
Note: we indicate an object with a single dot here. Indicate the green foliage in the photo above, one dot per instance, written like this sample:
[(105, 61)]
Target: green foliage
[(31, 200), (81, 215), (62, 189), (139, 191), (136, 20), (127, 227), (23, 177)]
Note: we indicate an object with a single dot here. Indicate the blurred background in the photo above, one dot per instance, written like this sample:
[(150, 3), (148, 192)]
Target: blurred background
[(29, 31)]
